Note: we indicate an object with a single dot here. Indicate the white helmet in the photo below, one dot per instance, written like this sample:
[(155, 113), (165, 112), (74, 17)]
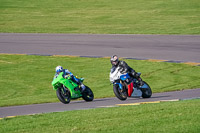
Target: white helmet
[(59, 69)]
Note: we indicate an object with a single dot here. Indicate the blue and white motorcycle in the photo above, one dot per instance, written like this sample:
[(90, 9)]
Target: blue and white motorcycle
[(126, 86)]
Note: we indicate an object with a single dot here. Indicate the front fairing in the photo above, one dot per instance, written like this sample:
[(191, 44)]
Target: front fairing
[(124, 77), (115, 74), (67, 82), (120, 85), (56, 83)]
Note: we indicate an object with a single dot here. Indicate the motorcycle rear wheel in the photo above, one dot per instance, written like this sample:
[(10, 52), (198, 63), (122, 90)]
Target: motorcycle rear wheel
[(146, 92), (63, 95), (87, 94), (120, 94)]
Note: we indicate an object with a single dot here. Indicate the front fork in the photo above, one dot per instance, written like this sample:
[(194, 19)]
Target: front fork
[(64, 89), (129, 87), (120, 85)]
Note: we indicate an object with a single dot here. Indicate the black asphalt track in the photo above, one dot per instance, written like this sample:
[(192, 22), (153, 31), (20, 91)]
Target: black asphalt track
[(184, 48)]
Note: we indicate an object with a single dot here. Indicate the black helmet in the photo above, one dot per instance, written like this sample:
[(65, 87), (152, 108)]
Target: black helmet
[(114, 60)]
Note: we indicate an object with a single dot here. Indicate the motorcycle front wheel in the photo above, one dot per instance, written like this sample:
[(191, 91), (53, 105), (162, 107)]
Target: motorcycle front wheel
[(87, 94), (120, 93), (63, 95)]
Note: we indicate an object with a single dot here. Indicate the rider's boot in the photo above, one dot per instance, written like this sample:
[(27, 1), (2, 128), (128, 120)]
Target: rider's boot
[(141, 83)]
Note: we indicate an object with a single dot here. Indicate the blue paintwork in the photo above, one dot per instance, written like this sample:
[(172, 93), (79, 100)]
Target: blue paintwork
[(124, 77), (127, 76), (144, 86), (120, 85)]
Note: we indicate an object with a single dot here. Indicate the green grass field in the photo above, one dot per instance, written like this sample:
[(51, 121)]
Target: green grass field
[(100, 16), (168, 117), (26, 79)]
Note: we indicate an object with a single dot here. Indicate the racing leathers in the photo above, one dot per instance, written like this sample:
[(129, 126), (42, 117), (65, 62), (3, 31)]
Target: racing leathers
[(124, 68), (67, 72)]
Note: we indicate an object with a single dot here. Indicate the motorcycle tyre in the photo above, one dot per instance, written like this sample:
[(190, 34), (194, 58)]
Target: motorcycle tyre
[(144, 95), (117, 93), (85, 94), (61, 96)]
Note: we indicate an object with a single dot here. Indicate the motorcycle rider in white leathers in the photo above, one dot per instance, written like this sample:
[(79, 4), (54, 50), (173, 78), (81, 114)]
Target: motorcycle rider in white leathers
[(123, 68)]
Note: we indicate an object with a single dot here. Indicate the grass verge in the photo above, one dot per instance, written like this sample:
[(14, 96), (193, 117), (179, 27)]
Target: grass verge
[(100, 16), (181, 116), (26, 79)]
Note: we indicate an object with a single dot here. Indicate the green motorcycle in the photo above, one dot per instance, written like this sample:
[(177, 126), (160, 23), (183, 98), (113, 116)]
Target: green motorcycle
[(67, 89)]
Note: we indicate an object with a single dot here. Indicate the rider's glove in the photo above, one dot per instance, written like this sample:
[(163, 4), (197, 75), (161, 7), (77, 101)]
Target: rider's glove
[(66, 76)]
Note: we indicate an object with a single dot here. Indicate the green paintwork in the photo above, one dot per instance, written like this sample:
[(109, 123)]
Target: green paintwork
[(67, 82)]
